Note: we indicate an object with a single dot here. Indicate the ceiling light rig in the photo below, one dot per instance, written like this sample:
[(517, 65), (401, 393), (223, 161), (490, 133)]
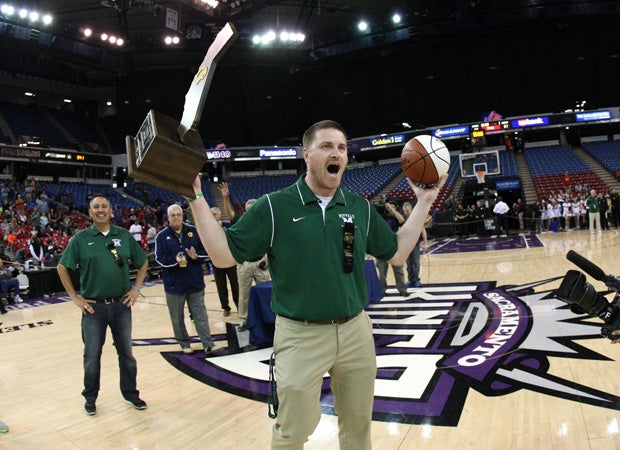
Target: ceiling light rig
[(284, 38), (21, 14), (108, 38)]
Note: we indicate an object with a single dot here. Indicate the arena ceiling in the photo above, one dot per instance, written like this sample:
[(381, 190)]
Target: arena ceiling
[(61, 51)]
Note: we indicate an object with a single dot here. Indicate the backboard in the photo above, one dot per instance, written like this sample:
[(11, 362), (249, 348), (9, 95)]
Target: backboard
[(470, 161)]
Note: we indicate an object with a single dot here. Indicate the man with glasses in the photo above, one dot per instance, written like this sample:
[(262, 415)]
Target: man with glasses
[(102, 252), (180, 253)]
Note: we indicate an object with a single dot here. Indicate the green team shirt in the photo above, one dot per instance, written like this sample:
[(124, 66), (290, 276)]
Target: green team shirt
[(100, 275), (306, 251), (592, 204)]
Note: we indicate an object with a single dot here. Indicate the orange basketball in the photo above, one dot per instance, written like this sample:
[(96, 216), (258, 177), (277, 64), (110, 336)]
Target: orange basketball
[(424, 160)]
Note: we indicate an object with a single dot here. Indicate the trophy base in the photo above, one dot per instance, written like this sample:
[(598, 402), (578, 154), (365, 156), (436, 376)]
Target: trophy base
[(164, 161)]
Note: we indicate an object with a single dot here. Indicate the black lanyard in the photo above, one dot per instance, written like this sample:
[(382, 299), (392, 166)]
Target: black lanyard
[(348, 239)]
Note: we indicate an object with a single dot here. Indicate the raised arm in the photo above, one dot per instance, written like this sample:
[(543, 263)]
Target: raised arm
[(211, 233), (228, 206), (410, 231)]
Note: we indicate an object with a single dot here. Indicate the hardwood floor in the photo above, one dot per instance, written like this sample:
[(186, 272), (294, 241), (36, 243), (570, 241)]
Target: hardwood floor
[(556, 388)]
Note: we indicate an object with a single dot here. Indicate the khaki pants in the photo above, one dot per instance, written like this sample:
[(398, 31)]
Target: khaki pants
[(304, 353), (248, 272)]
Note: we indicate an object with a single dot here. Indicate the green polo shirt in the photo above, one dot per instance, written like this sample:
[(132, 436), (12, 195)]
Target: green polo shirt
[(592, 204), (100, 275), (306, 251)]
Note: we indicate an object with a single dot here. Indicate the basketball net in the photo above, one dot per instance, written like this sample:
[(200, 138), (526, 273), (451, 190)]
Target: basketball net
[(480, 174)]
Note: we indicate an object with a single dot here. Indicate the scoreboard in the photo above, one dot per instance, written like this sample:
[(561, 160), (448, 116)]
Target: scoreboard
[(53, 156)]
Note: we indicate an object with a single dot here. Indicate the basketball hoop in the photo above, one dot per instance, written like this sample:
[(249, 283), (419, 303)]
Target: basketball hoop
[(480, 174)]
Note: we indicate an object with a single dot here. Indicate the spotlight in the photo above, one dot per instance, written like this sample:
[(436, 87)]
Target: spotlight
[(7, 10), (362, 25), (396, 18), (104, 36), (87, 32)]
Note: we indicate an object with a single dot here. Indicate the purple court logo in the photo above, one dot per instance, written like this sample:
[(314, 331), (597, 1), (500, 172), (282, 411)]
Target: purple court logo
[(436, 345)]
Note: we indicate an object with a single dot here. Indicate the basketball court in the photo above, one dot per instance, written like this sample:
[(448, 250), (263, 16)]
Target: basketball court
[(484, 356)]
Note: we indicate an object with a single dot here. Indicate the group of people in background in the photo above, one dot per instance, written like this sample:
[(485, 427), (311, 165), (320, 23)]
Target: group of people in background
[(595, 211), (558, 211)]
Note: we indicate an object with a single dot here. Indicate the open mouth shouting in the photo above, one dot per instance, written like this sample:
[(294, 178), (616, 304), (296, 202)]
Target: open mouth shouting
[(333, 169)]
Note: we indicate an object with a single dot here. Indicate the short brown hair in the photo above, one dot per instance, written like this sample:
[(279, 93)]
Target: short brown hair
[(322, 125)]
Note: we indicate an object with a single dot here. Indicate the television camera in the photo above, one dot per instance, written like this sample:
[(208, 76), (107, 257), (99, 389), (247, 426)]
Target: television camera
[(583, 298)]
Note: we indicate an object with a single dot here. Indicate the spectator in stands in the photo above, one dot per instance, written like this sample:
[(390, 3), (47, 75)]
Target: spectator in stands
[(53, 252), (248, 271), (8, 284), (28, 193), (42, 204), (136, 230), (221, 273), (6, 228), (35, 218), (37, 250), (102, 252), (594, 217), (180, 253), (54, 217), (567, 182), (11, 237), (44, 221), (395, 220)]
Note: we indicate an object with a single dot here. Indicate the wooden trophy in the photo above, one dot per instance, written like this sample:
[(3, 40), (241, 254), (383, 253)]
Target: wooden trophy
[(167, 153)]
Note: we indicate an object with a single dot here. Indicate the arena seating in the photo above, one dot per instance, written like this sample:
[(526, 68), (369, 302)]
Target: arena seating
[(507, 165), (28, 121), (402, 191), (245, 188), (80, 127), (606, 153), (368, 181), (547, 164), (79, 192)]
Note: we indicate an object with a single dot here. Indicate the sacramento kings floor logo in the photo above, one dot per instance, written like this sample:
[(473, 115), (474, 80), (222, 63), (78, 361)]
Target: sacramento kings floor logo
[(436, 345)]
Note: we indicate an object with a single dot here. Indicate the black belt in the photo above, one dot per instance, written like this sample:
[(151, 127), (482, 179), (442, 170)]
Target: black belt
[(323, 322), (109, 300)]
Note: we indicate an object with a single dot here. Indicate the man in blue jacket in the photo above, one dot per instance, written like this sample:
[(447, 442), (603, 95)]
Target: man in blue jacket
[(180, 253)]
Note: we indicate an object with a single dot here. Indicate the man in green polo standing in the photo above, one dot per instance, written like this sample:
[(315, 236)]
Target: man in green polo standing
[(593, 212), (102, 253), (316, 236)]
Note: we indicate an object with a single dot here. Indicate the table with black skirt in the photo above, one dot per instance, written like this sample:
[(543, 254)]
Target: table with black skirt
[(46, 281), (261, 319)]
